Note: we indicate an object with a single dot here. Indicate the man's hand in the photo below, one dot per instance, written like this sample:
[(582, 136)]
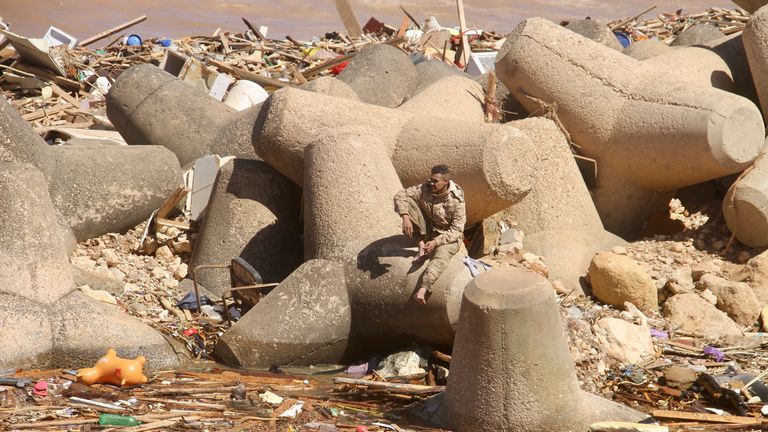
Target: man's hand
[(407, 226), (430, 246), (421, 296)]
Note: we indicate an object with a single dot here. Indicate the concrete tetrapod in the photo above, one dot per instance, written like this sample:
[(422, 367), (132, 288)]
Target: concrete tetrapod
[(494, 164), (150, 106), (253, 213), (95, 188), (511, 369), (649, 134), (381, 75), (455, 96), (358, 303), (745, 206), (558, 216), (46, 322), (755, 39)]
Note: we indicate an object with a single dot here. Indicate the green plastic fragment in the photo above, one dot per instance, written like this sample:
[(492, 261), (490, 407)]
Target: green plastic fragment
[(118, 420)]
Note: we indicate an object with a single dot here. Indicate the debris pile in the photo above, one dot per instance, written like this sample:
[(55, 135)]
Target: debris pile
[(257, 229)]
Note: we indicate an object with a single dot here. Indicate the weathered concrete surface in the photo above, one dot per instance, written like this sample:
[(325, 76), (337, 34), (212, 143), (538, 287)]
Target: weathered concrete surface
[(46, 322), (254, 213), (458, 97), (331, 86), (649, 134), (381, 75), (494, 164), (305, 320), (110, 188), (429, 72), (745, 206), (358, 177), (558, 216), (595, 30), (698, 34), (755, 40), (750, 6), (645, 49), (499, 365), (97, 189), (150, 106)]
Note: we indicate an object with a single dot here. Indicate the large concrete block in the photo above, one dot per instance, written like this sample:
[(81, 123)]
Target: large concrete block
[(455, 96), (46, 322), (150, 106), (354, 175), (254, 213), (745, 206), (558, 216), (110, 188), (649, 134), (381, 75), (94, 189), (429, 72), (502, 375), (495, 165), (305, 320), (755, 40), (698, 34)]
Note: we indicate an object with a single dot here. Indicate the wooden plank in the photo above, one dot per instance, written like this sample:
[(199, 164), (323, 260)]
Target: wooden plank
[(172, 223), (395, 387), (253, 28), (700, 417), (43, 112), (44, 424), (403, 27), (465, 50), (112, 31), (171, 201), (349, 18), (58, 91), (248, 75)]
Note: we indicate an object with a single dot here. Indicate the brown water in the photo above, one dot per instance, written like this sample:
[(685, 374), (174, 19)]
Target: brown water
[(301, 19)]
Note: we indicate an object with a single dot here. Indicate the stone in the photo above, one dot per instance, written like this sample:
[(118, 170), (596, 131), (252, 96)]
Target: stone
[(163, 253), (401, 364), (680, 281), (755, 271), (764, 319), (498, 359), (47, 322), (693, 314), (381, 75), (110, 257), (626, 342), (616, 279), (706, 267), (253, 214), (181, 272), (709, 296), (99, 295), (645, 49), (595, 30), (698, 34), (620, 104), (677, 247), (680, 377), (734, 298), (619, 250)]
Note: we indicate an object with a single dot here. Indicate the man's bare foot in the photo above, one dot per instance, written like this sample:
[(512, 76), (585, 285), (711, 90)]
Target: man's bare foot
[(421, 296), (421, 254)]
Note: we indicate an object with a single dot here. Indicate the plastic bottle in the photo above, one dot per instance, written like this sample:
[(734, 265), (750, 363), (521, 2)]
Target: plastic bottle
[(118, 420)]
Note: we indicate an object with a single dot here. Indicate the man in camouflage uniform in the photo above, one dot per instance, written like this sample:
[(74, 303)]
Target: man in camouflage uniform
[(435, 213)]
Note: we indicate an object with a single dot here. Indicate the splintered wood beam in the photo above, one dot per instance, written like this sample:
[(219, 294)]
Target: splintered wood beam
[(349, 18)]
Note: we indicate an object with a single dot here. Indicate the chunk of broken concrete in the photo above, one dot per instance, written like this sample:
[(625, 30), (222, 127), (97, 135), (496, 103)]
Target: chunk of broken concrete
[(626, 342), (693, 314), (616, 279)]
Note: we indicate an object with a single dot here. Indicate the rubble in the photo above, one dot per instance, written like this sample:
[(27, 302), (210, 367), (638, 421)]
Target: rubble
[(288, 130)]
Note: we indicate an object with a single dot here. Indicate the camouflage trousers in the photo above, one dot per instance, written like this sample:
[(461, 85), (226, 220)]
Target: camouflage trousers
[(442, 254)]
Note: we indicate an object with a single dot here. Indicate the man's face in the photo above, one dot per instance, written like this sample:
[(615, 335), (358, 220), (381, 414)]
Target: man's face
[(437, 183)]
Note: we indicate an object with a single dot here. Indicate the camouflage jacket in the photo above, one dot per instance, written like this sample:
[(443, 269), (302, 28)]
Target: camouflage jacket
[(446, 213)]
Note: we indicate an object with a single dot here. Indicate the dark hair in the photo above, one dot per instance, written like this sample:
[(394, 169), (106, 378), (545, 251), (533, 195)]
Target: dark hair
[(441, 169)]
